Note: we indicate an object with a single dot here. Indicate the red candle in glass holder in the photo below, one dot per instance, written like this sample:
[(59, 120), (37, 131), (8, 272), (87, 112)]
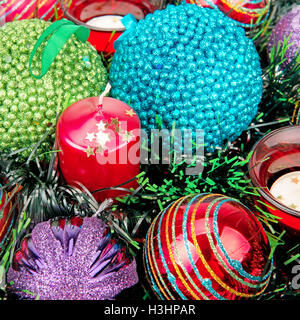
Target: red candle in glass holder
[(99, 145), (103, 17), (274, 168)]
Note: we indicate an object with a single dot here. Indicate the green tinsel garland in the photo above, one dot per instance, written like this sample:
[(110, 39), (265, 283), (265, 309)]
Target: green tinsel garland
[(225, 171)]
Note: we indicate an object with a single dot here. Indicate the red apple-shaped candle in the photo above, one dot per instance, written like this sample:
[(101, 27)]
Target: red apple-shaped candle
[(99, 143)]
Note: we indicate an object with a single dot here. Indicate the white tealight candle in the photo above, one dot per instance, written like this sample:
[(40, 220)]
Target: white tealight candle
[(107, 22), (286, 190)]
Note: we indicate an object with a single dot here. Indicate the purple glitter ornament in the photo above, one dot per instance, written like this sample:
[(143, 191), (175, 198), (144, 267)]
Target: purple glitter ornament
[(71, 259), (289, 24)]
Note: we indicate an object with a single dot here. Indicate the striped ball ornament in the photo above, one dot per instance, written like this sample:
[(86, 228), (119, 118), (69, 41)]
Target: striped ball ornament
[(207, 247), (247, 13), (11, 10)]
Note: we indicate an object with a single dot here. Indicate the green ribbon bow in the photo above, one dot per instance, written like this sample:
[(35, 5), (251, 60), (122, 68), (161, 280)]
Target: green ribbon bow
[(129, 22), (60, 32)]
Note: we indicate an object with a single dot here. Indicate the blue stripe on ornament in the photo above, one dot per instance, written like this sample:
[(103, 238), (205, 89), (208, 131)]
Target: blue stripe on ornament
[(149, 269), (178, 256), (171, 277), (205, 282), (234, 263)]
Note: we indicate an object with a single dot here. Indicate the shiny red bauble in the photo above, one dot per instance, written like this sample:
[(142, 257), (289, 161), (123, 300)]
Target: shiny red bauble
[(11, 10), (99, 146), (207, 247), (247, 12), (6, 219)]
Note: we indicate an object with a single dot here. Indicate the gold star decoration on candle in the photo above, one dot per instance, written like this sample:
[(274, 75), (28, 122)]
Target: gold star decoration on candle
[(89, 151), (280, 197), (127, 136), (100, 137), (129, 112), (293, 206), (99, 150), (115, 123), (295, 180)]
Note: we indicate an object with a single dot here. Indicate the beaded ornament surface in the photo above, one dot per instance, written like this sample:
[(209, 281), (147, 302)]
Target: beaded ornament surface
[(71, 259), (29, 106), (288, 26), (192, 66)]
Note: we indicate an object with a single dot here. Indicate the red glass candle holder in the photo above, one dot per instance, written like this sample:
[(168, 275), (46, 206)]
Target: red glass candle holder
[(105, 31), (275, 155)]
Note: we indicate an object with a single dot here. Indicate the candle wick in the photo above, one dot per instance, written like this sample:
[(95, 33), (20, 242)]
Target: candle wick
[(101, 97)]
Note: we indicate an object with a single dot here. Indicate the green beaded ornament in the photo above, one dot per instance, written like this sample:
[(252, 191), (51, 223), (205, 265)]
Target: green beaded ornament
[(29, 106)]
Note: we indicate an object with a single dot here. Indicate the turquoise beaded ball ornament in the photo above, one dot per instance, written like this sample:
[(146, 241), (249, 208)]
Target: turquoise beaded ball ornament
[(189, 65)]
